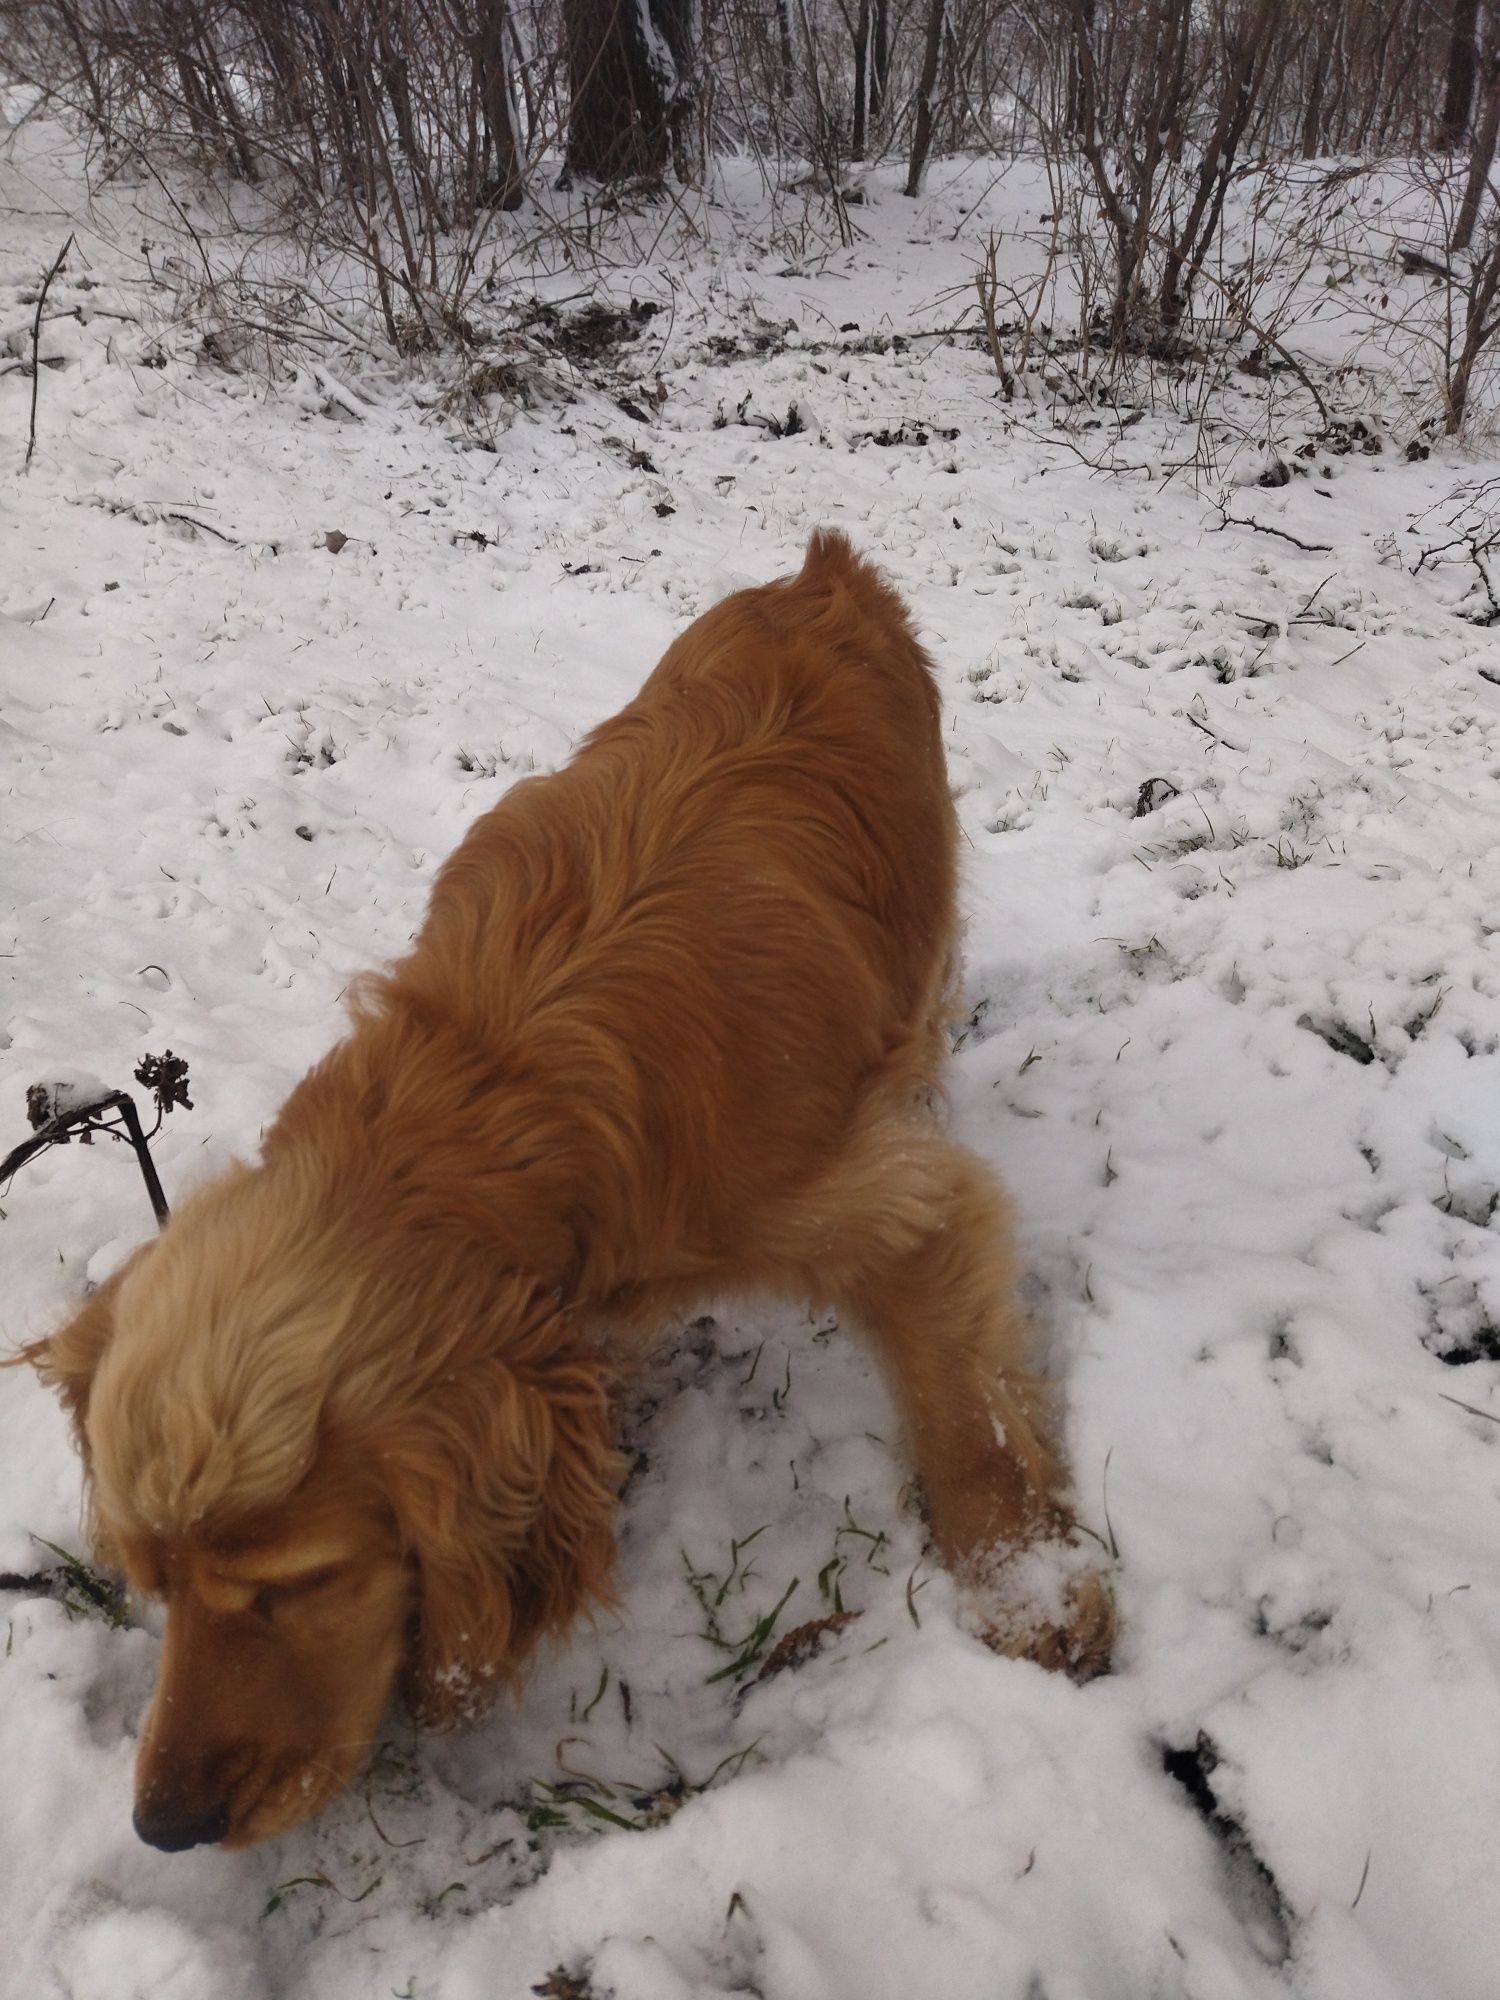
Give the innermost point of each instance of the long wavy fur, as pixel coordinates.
(672, 1025)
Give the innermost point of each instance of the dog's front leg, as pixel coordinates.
(946, 1323)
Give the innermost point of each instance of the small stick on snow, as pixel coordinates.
(1242, 749)
(36, 336)
(1472, 1408)
(1229, 520)
(207, 527)
(1365, 1876)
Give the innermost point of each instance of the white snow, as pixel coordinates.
(1238, 1059)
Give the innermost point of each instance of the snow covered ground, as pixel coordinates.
(1237, 1054)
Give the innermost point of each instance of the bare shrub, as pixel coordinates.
(389, 130)
(388, 135)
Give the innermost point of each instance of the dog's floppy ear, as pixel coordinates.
(68, 1360)
(504, 1483)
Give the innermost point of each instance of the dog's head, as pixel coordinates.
(342, 1461)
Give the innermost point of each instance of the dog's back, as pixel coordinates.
(720, 925)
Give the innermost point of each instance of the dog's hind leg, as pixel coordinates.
(928, 1270)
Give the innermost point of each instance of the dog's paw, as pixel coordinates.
(1044, 1603)
(1080, 1641)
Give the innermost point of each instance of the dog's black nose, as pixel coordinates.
(174, 1832)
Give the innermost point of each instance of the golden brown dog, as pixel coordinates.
(672, 1028)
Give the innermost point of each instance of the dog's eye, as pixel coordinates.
(266, 1599)
(314, 1580)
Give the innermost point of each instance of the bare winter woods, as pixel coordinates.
(401, 128)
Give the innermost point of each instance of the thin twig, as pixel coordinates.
(1260, 527)
(1240, 749)
(36, 336)
(189, 521)
(1472, 1408)
(1364, 1877)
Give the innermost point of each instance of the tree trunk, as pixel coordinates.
(1458, 102)
(504, 187)
(1082, 25)
(1481, 323)
(784, 44)
(623, 85)
(1480, 160)
(880, 57)
(861, 65)
(677, 23)
(394, 77)
(282, 61)
(328, 39)
(192, 94)
(1312, 110)
(922, 132)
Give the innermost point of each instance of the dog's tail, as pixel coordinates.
(830, 554)
(851, 584)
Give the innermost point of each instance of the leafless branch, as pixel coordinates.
(36, 338)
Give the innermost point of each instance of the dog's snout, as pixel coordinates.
(172, 1832)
